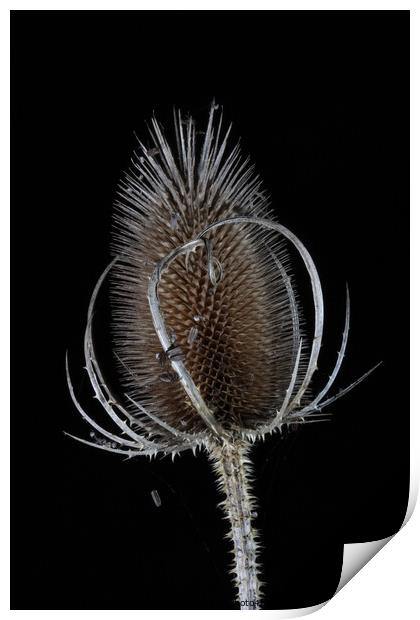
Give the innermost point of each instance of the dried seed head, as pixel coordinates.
(241, 351)
(206, 324)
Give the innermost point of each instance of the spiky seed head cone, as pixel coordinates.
(206, 323)
(237, 336)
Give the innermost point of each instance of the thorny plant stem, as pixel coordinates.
(234, 475)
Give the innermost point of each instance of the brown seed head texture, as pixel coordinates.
(236, 336)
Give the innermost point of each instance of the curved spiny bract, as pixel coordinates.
(206, 324)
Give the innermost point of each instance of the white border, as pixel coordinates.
(211, 5)
(4, 306)
(388, 585)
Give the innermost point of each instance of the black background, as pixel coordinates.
(320, 101)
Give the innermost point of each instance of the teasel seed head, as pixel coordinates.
(228, 314)
(206, 325)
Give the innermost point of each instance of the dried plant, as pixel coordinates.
(207, 329)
